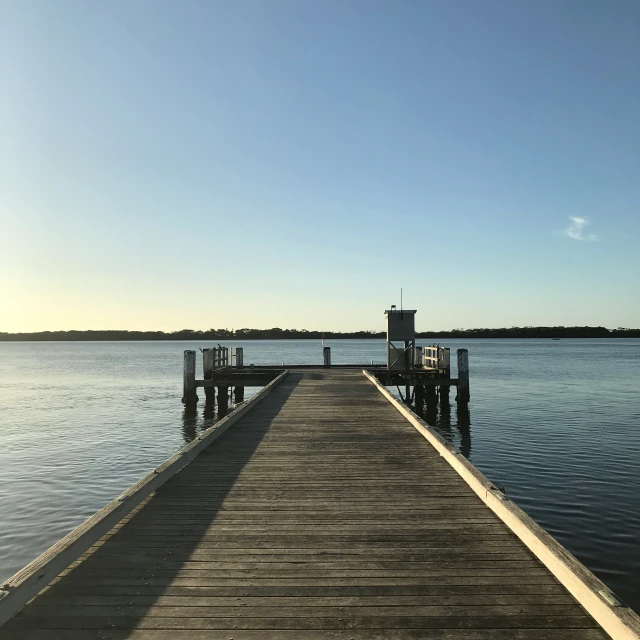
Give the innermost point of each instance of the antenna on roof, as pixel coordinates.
(400, 298)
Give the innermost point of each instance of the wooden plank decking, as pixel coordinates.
(322, 513)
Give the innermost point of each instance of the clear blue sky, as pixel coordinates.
(294, 163)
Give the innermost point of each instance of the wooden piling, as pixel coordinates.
(431, 405)
(419, 399)
(463, 376)
(223, 401)
(444, 366)
(207, 368)
(327, 356)
(431, 396)
(189, 395)
(238, 392)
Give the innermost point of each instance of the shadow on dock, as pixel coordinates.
(141, 558)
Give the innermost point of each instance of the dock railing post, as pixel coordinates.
(207, 369)
(463, 376)
(239, 357)
(189, 395)
(327, 356)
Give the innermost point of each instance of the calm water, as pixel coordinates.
(556, 423)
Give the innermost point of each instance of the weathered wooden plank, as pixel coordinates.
(310, 573)
(286, 563)
(309, 634)
(441, 600)
(120, 621)
(65, 589)
(446, 580)
(300, 611)
(387, 553)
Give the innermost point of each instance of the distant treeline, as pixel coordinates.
(280, 334)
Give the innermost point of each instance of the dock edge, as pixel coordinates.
(618, 620)
(18, 590)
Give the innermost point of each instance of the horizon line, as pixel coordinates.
(240, 332)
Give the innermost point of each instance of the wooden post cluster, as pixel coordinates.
(212, 359)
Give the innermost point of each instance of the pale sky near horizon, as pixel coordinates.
(169, 165)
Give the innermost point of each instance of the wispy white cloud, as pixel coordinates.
(575, 230)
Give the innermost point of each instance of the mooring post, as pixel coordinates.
(223, 401)
(444, 364)
(463, 376)
(238, 392)
(189, 395)
(327, 356)
(207, 369)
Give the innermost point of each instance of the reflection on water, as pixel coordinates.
(435, 410)
(200, 417)
(464, 429)
(189, 423)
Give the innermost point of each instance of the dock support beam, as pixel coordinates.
(327, 356)
(463, 376)
(189, 395)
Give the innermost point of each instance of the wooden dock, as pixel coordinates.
(322, 512)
